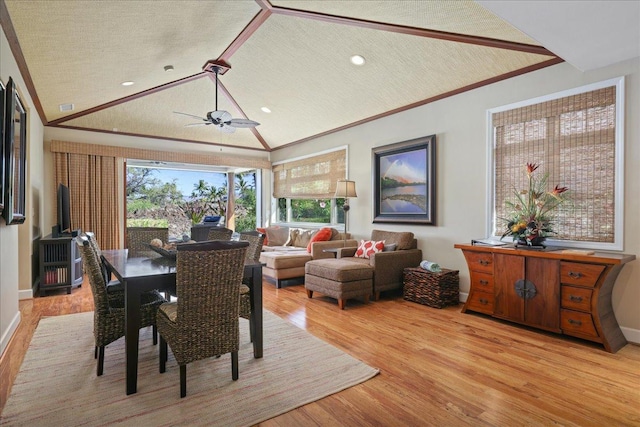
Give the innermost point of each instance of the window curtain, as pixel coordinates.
(573, 140)
(93, 189)
(310, 178)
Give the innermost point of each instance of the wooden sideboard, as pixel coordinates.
(555, 290)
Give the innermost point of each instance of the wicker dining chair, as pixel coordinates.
(219, 233)
(138, 239)
(113, 285)
(203, 322)
(256, 241)
(109, 310)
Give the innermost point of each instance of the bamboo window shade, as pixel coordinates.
(310, 178)
(573, 140)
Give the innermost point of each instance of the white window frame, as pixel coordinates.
(618, 242)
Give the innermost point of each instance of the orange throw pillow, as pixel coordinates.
(263, 231)
(322, 235)
(368, 248)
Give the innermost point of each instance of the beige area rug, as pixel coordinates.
(57, 383)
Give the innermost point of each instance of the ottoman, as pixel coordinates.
(280, 266)
(338, 279)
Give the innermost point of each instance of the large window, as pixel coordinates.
(304, 188)
(577, 139)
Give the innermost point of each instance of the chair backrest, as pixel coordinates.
(256, 240)
(138, 239)
(208, 278)
(94, 243)
(93, 269)
(219, 233)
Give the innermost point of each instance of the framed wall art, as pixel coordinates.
(404, 182)
(15, 156)
(2, 125)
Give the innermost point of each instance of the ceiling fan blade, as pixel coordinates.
(219, 116)
(191, 115)
(242, 123)
(190, 125)
(226, 128)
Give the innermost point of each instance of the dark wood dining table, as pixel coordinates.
(139, 275)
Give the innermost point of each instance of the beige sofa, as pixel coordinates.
(285, 254)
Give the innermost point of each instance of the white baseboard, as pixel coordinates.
(4, 341)
(632, 335)
(25, 294)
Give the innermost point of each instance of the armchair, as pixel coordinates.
(388, 266)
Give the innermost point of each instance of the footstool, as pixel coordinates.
(280, 266)
(338, 279)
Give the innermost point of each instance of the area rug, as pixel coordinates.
(57, 383)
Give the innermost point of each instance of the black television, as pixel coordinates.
(63, 228)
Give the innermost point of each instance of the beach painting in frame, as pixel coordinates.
(404, 182)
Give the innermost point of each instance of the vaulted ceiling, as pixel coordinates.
(290, 56)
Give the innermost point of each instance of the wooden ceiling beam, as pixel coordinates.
(413, 31)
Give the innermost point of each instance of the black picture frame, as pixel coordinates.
(404, 182)
(2, 126)
(15, 156)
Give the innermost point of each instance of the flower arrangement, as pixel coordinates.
(531, 213)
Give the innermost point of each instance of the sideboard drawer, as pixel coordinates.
(481, 302)
(479, 261)
(577, 323)
(573, 273)
(482, 281)
(576, 298)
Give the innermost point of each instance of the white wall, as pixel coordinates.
(459, 123)
(18, 242)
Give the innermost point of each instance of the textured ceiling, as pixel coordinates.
(289, 56)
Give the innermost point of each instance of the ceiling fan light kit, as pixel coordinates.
(223, 120)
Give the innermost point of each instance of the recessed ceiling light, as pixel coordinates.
(265, 109)
(168, 68)
(129, 83)
(66, 107)
(357, 60)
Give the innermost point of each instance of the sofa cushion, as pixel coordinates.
(277, 236)
(323, 235)
(404, 239)
(368, 248)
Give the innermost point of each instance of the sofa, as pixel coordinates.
(387, 260)
(287, 250)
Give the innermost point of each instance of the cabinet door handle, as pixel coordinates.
(575, 275)
(575, 322)
(483, 301)
(484, 282)
(484, 262)
(575, 298)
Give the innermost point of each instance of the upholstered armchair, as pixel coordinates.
(388, 266)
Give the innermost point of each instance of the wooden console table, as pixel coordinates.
(554, 290)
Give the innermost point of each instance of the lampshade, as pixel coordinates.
(345, 189)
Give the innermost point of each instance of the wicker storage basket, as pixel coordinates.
(433, 289)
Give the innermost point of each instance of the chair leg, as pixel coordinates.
(163, 355)
(154, 328)
(251, 326)
(183, 380)
(100, 360)
(234, 365)
(95, 352)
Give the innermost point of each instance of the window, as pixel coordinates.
(303, 188)
(577, 138)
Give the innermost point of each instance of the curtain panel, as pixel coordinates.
(93, 189)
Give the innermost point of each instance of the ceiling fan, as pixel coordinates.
(219, 118)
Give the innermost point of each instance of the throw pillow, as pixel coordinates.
(277, 235)
(390, 247)
(263, 231)
(368, 248)
(322, 235)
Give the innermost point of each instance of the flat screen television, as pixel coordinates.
(64, 210)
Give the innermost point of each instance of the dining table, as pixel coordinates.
(143, 274)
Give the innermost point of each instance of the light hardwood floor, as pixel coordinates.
(437, 367)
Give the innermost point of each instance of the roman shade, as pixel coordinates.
(312, 177)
